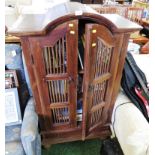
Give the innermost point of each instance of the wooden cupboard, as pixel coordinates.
(74, 58)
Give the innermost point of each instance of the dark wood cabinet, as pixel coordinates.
(74, 56)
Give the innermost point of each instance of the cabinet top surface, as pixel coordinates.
(37, 24)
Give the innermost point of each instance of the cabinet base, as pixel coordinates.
(49, 138)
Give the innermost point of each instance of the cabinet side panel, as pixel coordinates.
(119, 74)
(28, 60)
(113, 70)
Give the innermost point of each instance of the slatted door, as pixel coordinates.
(55, 61)
(101, 61)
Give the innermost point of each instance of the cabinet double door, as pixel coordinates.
(55, 57)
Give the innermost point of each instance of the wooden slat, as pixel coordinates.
(63, 54)
(56, 60)
(59, 105)
(46, 59)
(53, 93)
(50, 60)
(101, 78)
(98, 106)
(53, 56)
(95, 126)
(50, 92)
(60, 59)
(56, 76)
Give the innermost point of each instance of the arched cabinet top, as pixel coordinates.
(40, 24)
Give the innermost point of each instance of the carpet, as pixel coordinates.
(88, 147)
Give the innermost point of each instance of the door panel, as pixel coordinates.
(57, 78)
(100, 55)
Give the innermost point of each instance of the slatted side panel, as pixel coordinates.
(99, 92)
(59, 101)
(103, 55)
(102, 67)
(55, 57)
(60, 115)
(96, 116)
(58, 91)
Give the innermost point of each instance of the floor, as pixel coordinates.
(89, 147)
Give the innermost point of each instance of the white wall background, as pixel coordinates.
(26, 7)
(31, 2)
